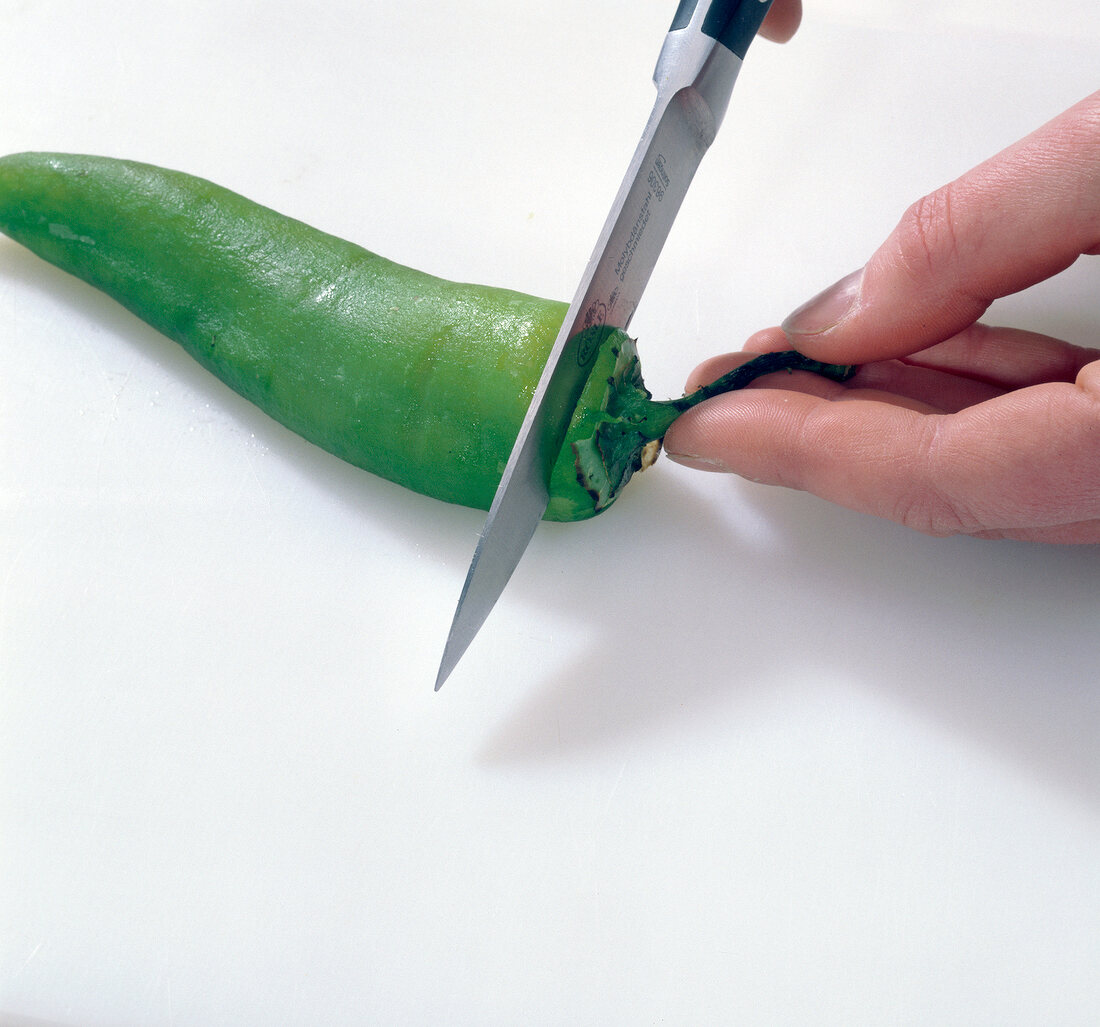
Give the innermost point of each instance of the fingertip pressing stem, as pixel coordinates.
(652, 418)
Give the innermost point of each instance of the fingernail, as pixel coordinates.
(700, 463)
(827, 309)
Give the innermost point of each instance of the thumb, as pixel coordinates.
(1019, 218)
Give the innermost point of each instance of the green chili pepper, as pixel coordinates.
(420, 380)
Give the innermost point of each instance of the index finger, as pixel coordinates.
(1013, 221)
(1025, 463)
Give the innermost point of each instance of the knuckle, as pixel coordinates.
(926, 238)
(924, 503)
(938, 245)
(932, 514)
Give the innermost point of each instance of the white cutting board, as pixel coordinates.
(725, 755)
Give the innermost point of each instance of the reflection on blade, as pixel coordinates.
(516, 511)
(695, 81)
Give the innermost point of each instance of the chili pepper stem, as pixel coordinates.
(652, 418)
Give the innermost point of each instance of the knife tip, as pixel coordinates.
(447, 664)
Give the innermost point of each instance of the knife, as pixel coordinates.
(696, 69)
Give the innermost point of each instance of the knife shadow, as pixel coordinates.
(989, 640)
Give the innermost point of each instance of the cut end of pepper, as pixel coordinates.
(615, 448)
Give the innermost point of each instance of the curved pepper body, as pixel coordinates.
(417, 379)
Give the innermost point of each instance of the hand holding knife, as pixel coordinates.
(695, 74)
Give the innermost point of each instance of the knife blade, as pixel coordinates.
(695, 73)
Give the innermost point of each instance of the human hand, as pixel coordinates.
(781, 22)
(950, 426)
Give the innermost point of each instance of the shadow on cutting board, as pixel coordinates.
(993, 640)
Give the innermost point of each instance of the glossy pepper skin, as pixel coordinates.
(420, 380)
(417, 379)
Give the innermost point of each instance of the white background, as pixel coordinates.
(725, 755)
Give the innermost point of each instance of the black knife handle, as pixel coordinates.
(734, 23)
